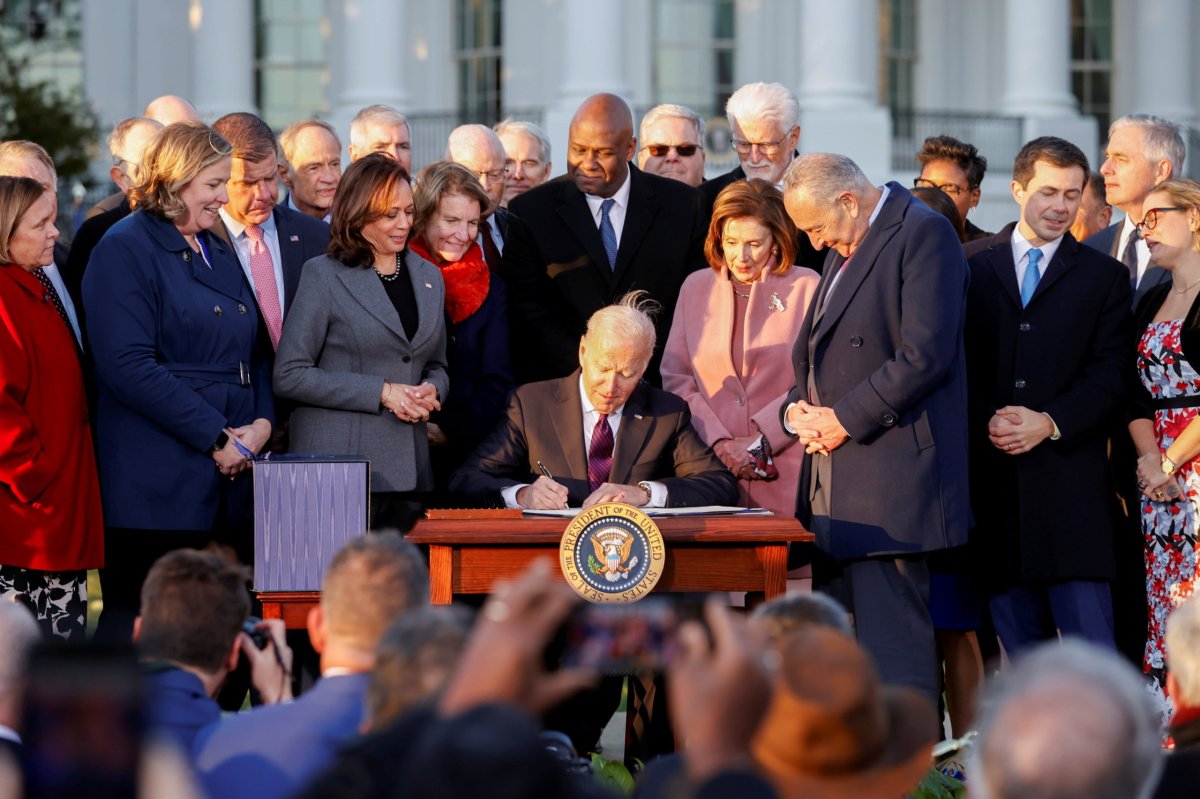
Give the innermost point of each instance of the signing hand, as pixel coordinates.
(1015, 429)
(543, 494)
(616, 492)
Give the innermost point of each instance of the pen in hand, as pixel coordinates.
(546, 473)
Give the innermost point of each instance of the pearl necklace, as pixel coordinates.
(394, 275)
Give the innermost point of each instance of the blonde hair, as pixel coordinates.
(1185, 193)
(178, 153)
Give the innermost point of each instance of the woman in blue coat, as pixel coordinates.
(184, 390)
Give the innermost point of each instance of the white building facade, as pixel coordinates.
(874, 77)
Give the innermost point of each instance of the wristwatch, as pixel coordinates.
(646, 487)
(221, 442)
(1168, 466)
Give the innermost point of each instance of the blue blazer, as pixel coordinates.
(886, 353)
(176, 704)
(271, 752)
(178, 359)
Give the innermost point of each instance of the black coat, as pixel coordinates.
(557, 273)
(1045, 515)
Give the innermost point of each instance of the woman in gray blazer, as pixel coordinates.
(363, 349)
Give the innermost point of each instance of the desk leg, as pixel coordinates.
(271, 610)
(441, 574)
(774, 564)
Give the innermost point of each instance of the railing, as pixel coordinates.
(998, 138)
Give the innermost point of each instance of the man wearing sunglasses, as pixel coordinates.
(764, 122)
(670, 139)
(1142, 151)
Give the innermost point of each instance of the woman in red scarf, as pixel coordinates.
(450, 203)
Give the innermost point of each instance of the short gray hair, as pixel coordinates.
(511, 125)
(116, 139)
(287, 139)
(1164, 139)
(373, 113)
(770, 101)
(1036, 706)
(823, 176)
(1183, 651)
(15, 150)
(671, 111)
(627, 321)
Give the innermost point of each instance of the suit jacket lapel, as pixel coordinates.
(291, 252)
(364, 286)
(430, 310)
(999, 258)
(863, 259)
(226, 275)
(638, 218)
(1063, 261)
(567, 418)
(631, 437)
(573, 208)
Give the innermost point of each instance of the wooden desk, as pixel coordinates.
(704, 553)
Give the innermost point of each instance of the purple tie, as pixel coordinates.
(600, 453)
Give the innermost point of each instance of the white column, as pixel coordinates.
(1163, 36)
(839, 104)
(594, 61)
(1038, 69)
(222, 56)
(1037, 74)
(372, 54)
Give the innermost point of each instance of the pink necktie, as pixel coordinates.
(262, 269)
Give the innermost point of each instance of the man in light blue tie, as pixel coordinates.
(1048, 347)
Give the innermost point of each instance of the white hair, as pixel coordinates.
(770, 101)
(511, 125)
(627, 321)
(120, 133)
(472, 139)
(823, 176)
(383, 114)
(1164, 139)
(1035, 740)
(671, 111)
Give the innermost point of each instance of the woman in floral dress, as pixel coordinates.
(1165, 428)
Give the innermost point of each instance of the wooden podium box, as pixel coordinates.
(725, 552)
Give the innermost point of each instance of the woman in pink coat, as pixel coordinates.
(730, 347)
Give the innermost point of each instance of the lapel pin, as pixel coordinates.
(428, 285)
(637, 416)
(776, 303)
(293, 238)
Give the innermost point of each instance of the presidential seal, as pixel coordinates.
(612, 553)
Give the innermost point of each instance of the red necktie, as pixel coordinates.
(600, 453)
(262, 269)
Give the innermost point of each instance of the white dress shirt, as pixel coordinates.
(658, 491)
(328, 218)
(242, 245)
(1020, 251)
(1141, 248)
(616, 214)
(56, 280)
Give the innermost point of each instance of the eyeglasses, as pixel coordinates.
(1150, 220)
(495, 174)
(952, 189)
(768, 148)
(684, 150)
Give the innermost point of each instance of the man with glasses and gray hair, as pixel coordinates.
(1142, 152)
(764, 120)
(670, 137)
(527, 156)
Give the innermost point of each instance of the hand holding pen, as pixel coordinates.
(544, 493)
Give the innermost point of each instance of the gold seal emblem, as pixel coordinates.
(612, 553)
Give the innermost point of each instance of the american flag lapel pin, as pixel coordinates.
(293, 238)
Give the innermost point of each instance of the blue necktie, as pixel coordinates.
(1032, 276)
(608, 236)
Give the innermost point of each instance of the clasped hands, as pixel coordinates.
(1015, 429)
(817, 428)
(1154, 483)
(733, 453)
(545, 494)
(410, 403)
(230, 460)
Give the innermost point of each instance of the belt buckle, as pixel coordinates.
(244, 374)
